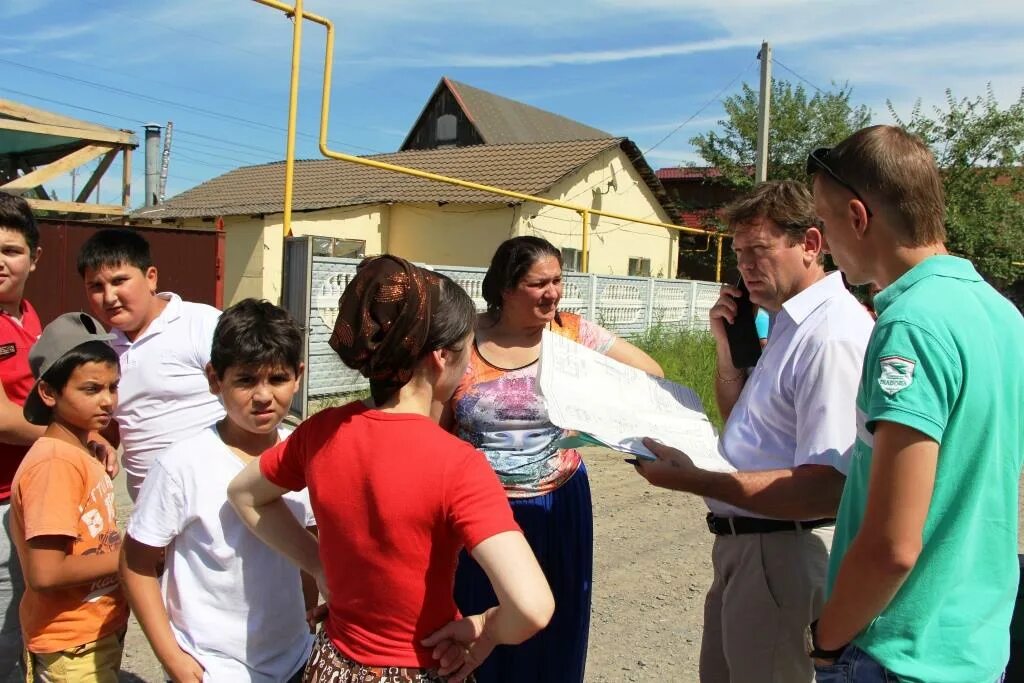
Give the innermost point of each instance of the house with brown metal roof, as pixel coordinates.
(464, 132)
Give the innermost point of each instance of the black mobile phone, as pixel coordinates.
(744, 344)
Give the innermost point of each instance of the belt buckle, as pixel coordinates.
(712, 518)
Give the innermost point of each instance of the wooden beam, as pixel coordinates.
(89, 134)
(94, 179)
(20, 164)
(62, 165)
(75, 207)
(126, 179)
(33, 115)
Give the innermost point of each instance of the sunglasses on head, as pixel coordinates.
(817, 161)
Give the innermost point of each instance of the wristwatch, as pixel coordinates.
(814, 650)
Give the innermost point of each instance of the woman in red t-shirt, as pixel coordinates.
(396, 497)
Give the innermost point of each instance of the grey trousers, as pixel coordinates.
(767, 588)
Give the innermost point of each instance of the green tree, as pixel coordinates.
(798, 124)
(980, 149)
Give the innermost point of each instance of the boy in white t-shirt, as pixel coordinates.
(163, 344)
(230, 608)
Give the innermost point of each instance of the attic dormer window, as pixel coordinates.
(447, 129)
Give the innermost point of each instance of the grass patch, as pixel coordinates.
(687, 358)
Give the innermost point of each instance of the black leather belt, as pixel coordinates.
(733, 526)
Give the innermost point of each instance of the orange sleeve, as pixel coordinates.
(51, 497)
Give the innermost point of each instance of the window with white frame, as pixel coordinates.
(640, 266)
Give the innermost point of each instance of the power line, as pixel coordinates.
(776, 61)
(205, 39)
(168, 103)
(149, 79)
(712, 100)
(702, 108)
(140, 122)
(204, 162)
(200, 150)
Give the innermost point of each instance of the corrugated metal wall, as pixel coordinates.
(189, 263)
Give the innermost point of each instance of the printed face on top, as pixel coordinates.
(773, 267)
(255, 398)
(534, 299)
(87, 402)
(122, 296)
(16, 262)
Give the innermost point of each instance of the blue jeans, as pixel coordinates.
(857, 666)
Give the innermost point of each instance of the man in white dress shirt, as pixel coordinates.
(789, 427)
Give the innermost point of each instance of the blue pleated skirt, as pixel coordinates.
(559, 526)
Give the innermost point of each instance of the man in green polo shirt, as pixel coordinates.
(924, 573)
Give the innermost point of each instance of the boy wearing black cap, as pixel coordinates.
(63, 520)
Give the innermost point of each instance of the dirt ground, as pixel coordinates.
(651, 568)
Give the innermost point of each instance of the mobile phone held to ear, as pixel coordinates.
(744, 345)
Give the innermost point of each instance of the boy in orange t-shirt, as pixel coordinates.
(63, 521)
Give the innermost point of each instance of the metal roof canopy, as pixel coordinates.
(36, 146)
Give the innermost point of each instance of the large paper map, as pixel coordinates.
(616, 405)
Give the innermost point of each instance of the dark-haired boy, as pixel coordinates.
(63, 519)
(163, 343)
(230, 606)
(19, 329)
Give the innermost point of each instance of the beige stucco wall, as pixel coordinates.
(612, 242)
(367, 223)
(243, 258)
(254, 245)
(451, 235)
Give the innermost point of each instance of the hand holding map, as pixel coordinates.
(612, 404)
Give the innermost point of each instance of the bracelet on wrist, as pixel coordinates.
(732, 380)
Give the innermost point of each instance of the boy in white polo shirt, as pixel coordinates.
(164, 346)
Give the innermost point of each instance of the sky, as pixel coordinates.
(655, 71)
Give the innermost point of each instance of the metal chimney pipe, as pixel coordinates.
(152, 163)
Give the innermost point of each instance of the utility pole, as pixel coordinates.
(764, 113)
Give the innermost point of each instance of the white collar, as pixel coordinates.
(800, 306)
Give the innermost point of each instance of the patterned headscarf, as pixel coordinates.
(383, 321)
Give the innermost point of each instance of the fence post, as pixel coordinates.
(592, 298)
(650, 302)
(693, 304)
(296, 298)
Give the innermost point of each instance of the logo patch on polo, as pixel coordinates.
(897, 374)
(7, 350)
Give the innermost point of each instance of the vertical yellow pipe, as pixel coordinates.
(293, 105)
(325, 102)
(718, 261)
(585, 260)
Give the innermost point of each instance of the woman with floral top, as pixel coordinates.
(497, 409)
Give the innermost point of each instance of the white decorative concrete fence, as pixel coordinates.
(625, 305)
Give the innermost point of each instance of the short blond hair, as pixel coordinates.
(896, 169)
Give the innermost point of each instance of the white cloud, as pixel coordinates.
(56, 32)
